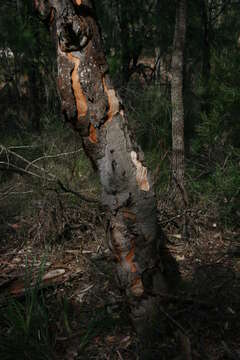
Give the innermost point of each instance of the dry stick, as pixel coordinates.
(186, 300)
(53, 156)
(82, 197)
(231, 354)
(7, 191)
(7, 152)
(175, 217)
(30, 163)
(185, 342)
(12, 167)
(24, 147)
(15, 193)
(119, 355)
(171, 219)
(175, 322)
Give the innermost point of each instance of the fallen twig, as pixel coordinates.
(32, 163)
(82, 197)
(230, 353)
(175, 322)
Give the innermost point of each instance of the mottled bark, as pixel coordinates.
(177, 104)
(91, 104)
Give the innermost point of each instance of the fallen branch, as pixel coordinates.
(79, 195)
(230, 353)
(175, 322)
(7, 166)
(52, 157)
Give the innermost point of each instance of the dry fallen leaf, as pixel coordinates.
(126, 341)
(53, 273)
(111, 339)
(180, 257)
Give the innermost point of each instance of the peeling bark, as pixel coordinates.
(93, 107)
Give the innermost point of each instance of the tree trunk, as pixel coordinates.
(93, 107)
(177, 105)
(206, 65)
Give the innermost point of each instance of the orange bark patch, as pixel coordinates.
(141, 173)
(78, 2)
(137, 287)
(51, 16)
(112, 101)
(129, 260)
(129, 215)
(115, 235)
(92, 134)
(80, 99)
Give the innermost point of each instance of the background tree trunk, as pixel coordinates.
(177, 105)
(91, 104)
(206, 64)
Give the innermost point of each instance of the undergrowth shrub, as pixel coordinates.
(213, 166)
(27, 324)
(149, 113)
(218, 187)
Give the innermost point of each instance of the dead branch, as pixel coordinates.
(53, 156)
(79, 195)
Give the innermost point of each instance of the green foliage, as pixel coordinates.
(226, 180)
(26, 66)
(218, 188)
(27, 333)
(150, 116)
(22, 32)
(215, 141)
(102, 322)
(158, 162)
(114, 63)
(132, 29)
(221, 124)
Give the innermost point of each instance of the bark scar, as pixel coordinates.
(93, 134)
(141, 173)
(52, 16)
(137, 287)
(112, 101)
(129, 215)
(80, 98)
(129, 260)
(81, 102)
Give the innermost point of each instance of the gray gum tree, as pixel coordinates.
(95, 110)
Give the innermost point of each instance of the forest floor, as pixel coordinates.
(87, 315)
